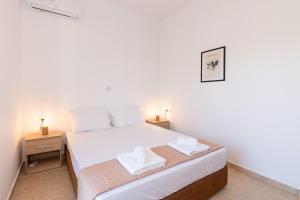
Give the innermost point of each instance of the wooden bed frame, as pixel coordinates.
(202, 189)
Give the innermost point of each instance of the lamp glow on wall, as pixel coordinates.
(151, 111)
(157, 112)
(44, 126)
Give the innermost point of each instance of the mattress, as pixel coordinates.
(91, 148)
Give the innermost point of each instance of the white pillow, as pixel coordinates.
(85, 120)
(126, 116)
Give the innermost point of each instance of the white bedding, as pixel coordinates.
(94, 147)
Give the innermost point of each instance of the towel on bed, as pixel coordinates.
(141, 161)
(140, 155)
(188, 146)
(187, 141)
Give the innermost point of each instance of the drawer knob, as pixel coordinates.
(44, 146)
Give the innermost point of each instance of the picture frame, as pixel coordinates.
(213, 63)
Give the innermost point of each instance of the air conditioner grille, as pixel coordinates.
(52, 12)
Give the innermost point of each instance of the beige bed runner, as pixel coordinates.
(105, 176)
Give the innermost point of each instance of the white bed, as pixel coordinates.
(91, 148)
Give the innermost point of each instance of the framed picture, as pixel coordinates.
(213, 65)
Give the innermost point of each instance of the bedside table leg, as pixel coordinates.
(60, 157)
(26, 165)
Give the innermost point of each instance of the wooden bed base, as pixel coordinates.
(202, 189)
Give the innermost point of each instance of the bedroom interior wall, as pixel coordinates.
(10, 123)
(256, 112)
(108, 57)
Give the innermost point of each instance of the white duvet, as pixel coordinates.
(94, 147)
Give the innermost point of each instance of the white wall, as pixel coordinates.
(256, 112)
(68, 64)
(9, 101)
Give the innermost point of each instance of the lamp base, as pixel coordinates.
(157, 118)
(45, 131)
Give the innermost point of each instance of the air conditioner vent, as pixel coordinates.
(63, 8)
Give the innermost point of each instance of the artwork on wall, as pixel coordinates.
(213, 65)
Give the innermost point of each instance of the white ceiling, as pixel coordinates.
(154, 8)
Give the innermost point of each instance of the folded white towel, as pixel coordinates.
(187, 141)
(140, 155)
(152, 161)
(189, 150)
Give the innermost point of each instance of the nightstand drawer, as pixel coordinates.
(165, 125)
(43, 145)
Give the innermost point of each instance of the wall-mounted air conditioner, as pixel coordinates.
(64, 8)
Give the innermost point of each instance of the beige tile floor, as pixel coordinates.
(55, 185)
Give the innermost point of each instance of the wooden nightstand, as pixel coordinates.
(44, 151)
(161, 123)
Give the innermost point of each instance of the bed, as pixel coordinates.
(196, 179)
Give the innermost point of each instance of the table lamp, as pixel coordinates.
(44, 127)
